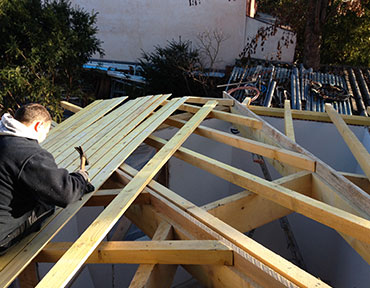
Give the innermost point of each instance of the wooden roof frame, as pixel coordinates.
(230, 259)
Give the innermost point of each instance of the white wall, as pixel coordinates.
(128, 27)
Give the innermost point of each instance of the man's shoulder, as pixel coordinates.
(19, 146)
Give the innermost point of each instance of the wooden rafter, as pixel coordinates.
(308, 115)
(288, 120)
(356, 147)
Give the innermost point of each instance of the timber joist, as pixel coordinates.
(208, 241)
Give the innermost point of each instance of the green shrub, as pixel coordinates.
(174, 69)
(42, 49)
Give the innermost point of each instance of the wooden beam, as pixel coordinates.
(289, 128)
(191, 252)
(73, 259)
(249, 256)
(308, 115)
(70, 107)
(203, 100)
(121, 230)
(359, 180)
(246, 210)
(151, 275)
(148, 219)
(333, 217)
(218, 276)
(30, 276)
(229, 117)
(291, 158)
(356, 147)
(104, 197)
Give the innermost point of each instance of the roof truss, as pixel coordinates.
(110, 132)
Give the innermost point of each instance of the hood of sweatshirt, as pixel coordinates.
(12, 127)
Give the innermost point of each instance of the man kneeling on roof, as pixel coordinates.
(31, 184)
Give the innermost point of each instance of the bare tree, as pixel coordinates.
(209, 43)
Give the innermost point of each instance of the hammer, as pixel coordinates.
(83, 157)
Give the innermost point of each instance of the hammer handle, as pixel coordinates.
(83, 163)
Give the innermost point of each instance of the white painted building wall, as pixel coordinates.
(129, 27)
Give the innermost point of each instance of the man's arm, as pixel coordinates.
(50, 184)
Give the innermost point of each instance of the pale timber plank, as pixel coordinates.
(80, 126)
(70, 106)
(191, 252)
(292, 158)
(150, 275)
(123, 149)
(73, 259)
(97, 130)
(229, 117)
(249, 256)
(29, 277)
(359, 180)
(308, 115)
(146, 217)
(245, 211)
(96, 148)
(203, 100)
(73, 119)
(356, 147)
(333, 217)
(289, 128)
(104, 197)
(112, 127)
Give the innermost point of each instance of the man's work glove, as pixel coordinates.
(89, 187)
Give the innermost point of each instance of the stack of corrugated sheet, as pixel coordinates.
(346, 88)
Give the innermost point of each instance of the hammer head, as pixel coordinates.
(82, 154)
